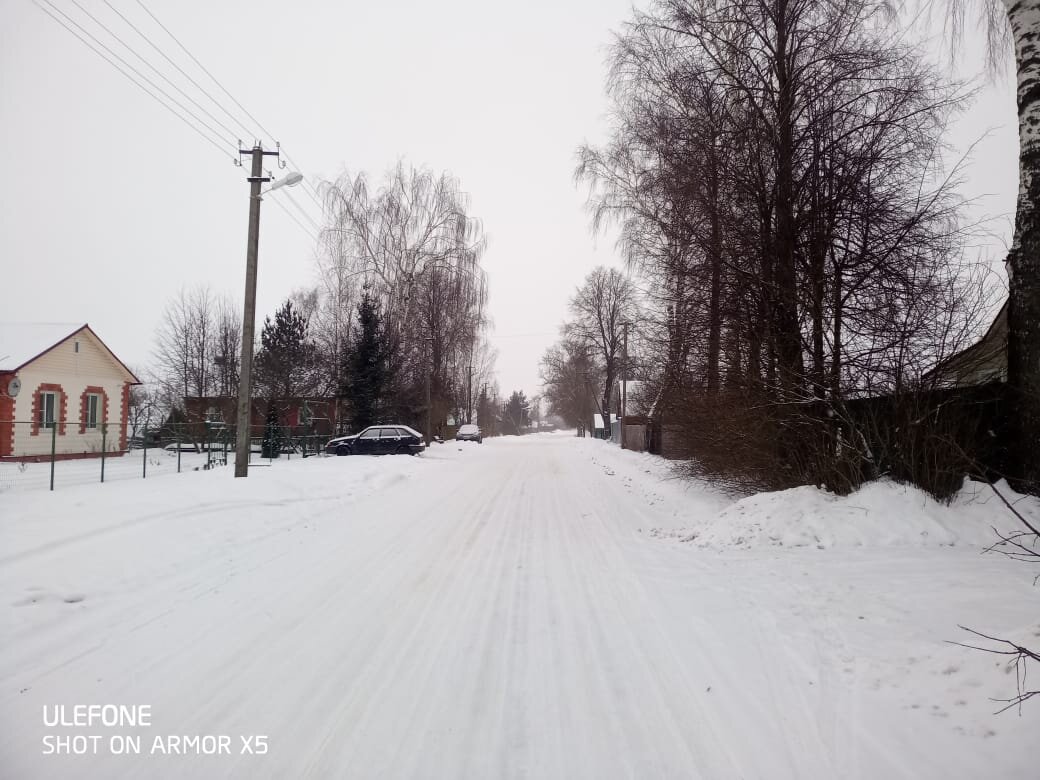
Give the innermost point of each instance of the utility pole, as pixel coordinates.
(624, 384)
(245, 381)
(429, 404)
(469, 394)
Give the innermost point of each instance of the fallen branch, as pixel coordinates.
(1019, 660)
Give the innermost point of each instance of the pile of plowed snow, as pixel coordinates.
(880, 513)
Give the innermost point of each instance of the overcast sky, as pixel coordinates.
(111, 205)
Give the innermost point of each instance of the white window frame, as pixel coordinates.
(92, 419)
(52, 421)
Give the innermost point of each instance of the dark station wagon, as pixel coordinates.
(379, 440)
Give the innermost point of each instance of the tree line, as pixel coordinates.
(777, 175)
(398, 314)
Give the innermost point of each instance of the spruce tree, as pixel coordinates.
(286, 360)
(367, 374)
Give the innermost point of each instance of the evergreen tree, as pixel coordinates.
(515, 417)
(286, 362)
(367, 375)
(271, 444)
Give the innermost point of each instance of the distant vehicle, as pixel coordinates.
(183, 446)
(379, 440)
(141, 439)
(469, 433)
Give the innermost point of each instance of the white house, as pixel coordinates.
(983, 362)
(60, 386)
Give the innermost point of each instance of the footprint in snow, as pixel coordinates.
(40, 596)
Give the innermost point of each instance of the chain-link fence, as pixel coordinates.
(52, 455)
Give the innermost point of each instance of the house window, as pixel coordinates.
(48, 404)
(93, 409)
(213, 415)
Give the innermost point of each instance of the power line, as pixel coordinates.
(247, 134)
(300, 208)
(295, 219)
(159, 73)
(136, 83)
(308, 187)
(144, 78)
(270, 135)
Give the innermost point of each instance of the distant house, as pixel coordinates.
(300, 415)
(982, 363)
(631, 397)
(60, 385)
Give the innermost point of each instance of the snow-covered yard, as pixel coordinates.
(541, 607)
(17, 477)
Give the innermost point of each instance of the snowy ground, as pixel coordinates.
(17, 477)
(543, 607)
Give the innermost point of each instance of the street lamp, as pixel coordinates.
(245, 382)
(289, 180)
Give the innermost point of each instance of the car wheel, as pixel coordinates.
(342, 450)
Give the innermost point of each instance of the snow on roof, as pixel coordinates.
(20, 342)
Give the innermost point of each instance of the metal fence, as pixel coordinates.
(48, 456)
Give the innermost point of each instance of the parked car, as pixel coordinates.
(379, 440)
(183, 446)
(469, 433)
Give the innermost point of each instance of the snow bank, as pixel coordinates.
(880, 513)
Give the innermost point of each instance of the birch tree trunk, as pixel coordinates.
(1023, 263)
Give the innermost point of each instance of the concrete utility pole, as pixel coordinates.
(624, 387)
(245, 381)
(429, 404)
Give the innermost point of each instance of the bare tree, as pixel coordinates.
(567, 370)
(1013, 26)
(599, 310)
(414, 244)
(226, 348)
(184, 341)
(776, 173)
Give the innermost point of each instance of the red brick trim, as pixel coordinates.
(6, 425)
(59, 456)
(124, 415)
(92, 390)
(63, 399)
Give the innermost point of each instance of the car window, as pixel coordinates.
(412, 431)
(391, 433)
(371, 433)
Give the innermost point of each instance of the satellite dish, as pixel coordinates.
(14, 386)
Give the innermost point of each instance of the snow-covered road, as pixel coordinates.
(511, 609)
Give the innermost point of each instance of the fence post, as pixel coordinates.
(179, 436)
(54, 444)
(104, 432)
(144, 458)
